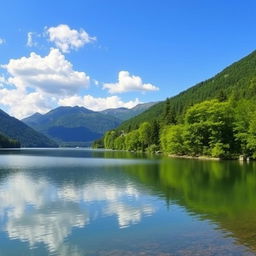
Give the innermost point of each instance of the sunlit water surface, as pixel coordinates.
(84, 202)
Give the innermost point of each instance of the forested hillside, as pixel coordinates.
(15, 129)
(215, 118)
(6, 142)
(237, 79)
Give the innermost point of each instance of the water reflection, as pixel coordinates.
(33, 212)
(74, 201)
(114, 198)
(222, 192)
(36, 209)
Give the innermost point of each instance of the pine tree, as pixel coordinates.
(155, 133)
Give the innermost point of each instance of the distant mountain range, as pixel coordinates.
(11, 127)
(78, 126)
(125, 113)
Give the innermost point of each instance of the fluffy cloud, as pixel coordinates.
(38, 82)
(66, 38)
(22, 104)
(97, 104)
(30, 42)
(2, 41)
(52, 73)
(3, 81)
(127, 82)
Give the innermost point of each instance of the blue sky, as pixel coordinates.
(157, 48)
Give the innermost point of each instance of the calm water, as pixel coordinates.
(82, 202)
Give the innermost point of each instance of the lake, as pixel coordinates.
(92, 202)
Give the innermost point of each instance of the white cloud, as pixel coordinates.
(52, 73)
(39, 82)
(67, 39)
(30, 42)
(2, 41)
(127, 82)
(3, 81)
(96, 82)
(97, 104)
(22, 104)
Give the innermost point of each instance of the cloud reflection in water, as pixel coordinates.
(35, 210)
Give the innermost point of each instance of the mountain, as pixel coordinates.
(33, 118)
(215, 118)
(125, 113)
(235, 79)
(17, 130)
(74, 126)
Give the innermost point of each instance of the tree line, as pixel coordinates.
(223, 128)
(8, 143)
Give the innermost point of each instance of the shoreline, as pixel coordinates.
(195, 157)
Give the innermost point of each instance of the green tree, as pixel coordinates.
(222, 96)
(155, 133)
(252, 87)
(119, 142)
(169, 115)
(251, 139)
(172, 139)
(109, 139)
(243, 113)
(145, 132)
(132, 142)
(208, 124)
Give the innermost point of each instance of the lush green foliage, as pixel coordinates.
(98, 143)
(6, 142)
(207, 130)
(146, 137)
(172, 139)
(215, 118)
(211, 128)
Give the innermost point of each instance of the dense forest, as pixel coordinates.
(216, 118)
(6, 142)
